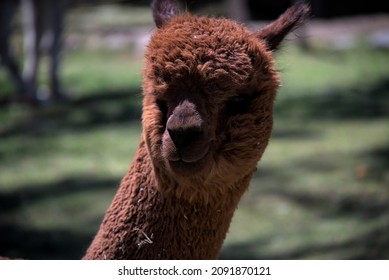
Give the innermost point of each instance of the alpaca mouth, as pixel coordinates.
(188, 168)
(183, 162)
(181, 158)
(188, 155)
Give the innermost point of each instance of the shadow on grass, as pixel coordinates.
(371, 245)
(26, 243)
(356, 102)
(377, 161)
(19, 241)
(93, 110)
(30, 194)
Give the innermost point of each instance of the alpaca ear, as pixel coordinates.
(163, 11)
(275, 32)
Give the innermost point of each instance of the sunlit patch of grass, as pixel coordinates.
(96, 71)
(321, 70)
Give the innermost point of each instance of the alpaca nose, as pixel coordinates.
(184, 137)
(185, 125)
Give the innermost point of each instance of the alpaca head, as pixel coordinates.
(209, 87)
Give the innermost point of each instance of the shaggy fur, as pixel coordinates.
(209, 87)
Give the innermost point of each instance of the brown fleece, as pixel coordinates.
(209, 87)
(142, 223)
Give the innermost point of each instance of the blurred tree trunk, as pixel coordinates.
(238, 10)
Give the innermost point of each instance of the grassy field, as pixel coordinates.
(321, 189)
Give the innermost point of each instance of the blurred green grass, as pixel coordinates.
(321, 189)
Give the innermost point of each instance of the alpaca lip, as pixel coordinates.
(184, 155)
(183, 160)
(181, 163)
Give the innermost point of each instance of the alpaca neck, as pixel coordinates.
(141, 223)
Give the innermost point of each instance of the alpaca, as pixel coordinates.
(208, 91)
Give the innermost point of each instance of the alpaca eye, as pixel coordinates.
(162, 106)
(238, 105)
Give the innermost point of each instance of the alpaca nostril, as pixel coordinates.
(183, 137)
